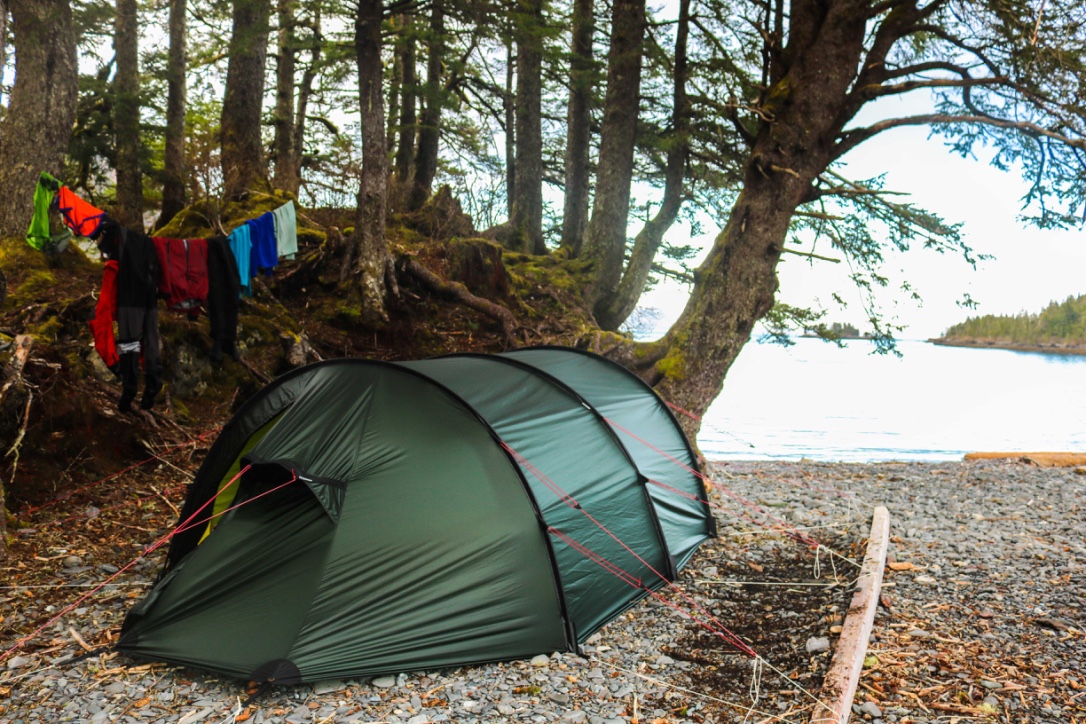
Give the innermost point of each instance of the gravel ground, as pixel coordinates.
(984, 608)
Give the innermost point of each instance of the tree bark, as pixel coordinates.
(430, 123)
(405, 51)
(3, 38)
(613, 309)
(242, 157)
(283, 145)
(527, 214)
(579, 129)
(372, 263)
(37, 127)
(605, 242)
(174, 166)
(126, 116)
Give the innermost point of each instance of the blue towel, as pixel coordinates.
(242, 247)
(262, 233)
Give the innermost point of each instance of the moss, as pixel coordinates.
(673, 366)
(36, 284)
(348, 312)
(48, 331)
(311, 238)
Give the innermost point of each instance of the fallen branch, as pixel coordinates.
(460, 293)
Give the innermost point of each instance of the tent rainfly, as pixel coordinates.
(450, 511)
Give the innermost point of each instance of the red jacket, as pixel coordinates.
(183, 278)
(105, 312)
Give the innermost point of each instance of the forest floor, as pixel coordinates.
(982, 618)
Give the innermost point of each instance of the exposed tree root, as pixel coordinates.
(460, 293)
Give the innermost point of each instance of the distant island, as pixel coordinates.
(1059, 329)
(837, 330)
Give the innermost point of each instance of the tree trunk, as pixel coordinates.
(242, 154)
(430, 125)
(285, 172)
(372, 262)
(305, 91)
(613, 309)
(37, 127)
(605, 242)
(579, 129)
(174, 166)
(126, 117)
(527, 215)
(510, 113)
(405, 151)
(737, 282)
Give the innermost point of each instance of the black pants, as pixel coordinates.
(137, 333)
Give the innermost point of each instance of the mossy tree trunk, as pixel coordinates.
(372, 263)
(37, 127)
(527, 213)
(242, 157)
(605, 241)
(809, 105)
(174, 171)
(126, 116)
(579, 130)
(614, 307)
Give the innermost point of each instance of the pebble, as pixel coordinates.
(817, 644)
(871, 709)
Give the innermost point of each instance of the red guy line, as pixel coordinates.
(572, 503)
(184, 526)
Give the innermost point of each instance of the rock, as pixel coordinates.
(540, 661)
(72, 562)
(924, 579)
(871, 709)
(328, 687)
(384, 682)
(817, 644)
(17, 661)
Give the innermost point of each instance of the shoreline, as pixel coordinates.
(1051, 348)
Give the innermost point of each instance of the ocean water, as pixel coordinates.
(815, 401)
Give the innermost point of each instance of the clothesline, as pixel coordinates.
(190, 274)
(257, 244)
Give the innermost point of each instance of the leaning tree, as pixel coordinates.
(1005, 73)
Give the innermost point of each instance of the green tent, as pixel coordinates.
(456, 510)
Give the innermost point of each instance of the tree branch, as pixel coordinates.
(851, 139)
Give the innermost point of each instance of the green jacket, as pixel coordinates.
(38, 235)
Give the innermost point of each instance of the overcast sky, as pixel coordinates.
(1030, 268)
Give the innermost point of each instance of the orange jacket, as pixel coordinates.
(81, 217)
